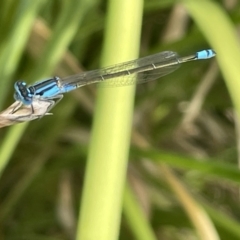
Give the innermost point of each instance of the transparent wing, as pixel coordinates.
(138, 78)
(133, 72)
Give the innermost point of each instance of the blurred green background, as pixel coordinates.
(183, 177)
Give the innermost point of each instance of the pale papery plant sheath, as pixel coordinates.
(17, 113)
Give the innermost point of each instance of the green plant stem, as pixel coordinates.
(101, 205)
(136, 219)
(10, 51)
(220, 31)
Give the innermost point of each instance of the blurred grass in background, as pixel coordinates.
(185, 120)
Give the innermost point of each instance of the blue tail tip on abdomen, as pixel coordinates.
(205, 54)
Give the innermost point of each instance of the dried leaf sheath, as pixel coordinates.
(18, 113)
